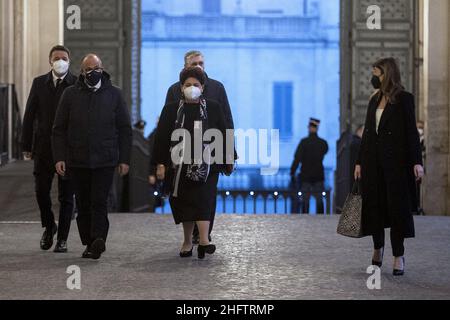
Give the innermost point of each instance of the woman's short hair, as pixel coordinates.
(192, 72)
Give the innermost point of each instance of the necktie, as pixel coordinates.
(58, 83)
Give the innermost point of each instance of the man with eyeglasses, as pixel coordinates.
(36, 144)
(91, 137)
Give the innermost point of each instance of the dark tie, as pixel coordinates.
(58, 83)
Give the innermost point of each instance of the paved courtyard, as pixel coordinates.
(258, 257)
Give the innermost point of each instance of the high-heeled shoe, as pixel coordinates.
(398, 272)
(379, 263)
(209, 249)
(186, 254)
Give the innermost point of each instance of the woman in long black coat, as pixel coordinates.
(192, 192)
(389, 163)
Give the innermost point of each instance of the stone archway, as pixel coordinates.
(111, 28)
(361, 47)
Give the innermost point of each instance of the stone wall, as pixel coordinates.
(436, 106)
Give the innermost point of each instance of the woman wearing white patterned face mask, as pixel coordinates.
(192, 183)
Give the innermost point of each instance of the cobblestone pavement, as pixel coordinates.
(258, 257)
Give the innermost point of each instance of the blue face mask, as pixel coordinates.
(93, 77)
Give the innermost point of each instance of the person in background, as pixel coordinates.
(310, 154)
(389, 164)
(156, 190)
(92, 136)
(41, 107)
(421, 129)
(140, 126)
(213, 90)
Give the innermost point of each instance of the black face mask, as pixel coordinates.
(93, 77)
(376, 82)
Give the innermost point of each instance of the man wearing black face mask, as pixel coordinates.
(92, 136)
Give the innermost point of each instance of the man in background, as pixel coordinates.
(310, 154)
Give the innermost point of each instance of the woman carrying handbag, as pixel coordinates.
(191, 181)
(389, 164)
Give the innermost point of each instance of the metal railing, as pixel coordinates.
(261, 202)
(272, 201)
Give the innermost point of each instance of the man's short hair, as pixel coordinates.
(189, 54)
(59, 48)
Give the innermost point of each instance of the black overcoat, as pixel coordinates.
(396, 150)
(40, 114)
(92, 129)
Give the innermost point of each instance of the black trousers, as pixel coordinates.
(397, 239)
(397, 242)
(92, 188)
(44, 172)
(314, 189)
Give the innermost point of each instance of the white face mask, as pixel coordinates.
(60, 67)
(192, 93)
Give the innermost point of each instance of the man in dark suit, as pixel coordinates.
(36, 143)
(310, 153)
(214, 90)
(91, 137)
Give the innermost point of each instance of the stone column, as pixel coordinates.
(436, 91)
(28, 30)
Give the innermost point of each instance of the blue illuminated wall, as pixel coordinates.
(278, 60)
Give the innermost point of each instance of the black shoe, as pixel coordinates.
(397, 272)
(379, 263)
(195, 240)
(61, 246)
(47, 237)
(209, 249)
(87, 253)
(186, 254)
(97, 248)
